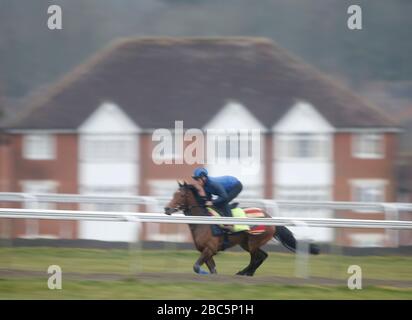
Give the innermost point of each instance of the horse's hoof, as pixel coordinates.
(201, 271)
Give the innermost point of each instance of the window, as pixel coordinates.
(303, 146)
(303, 193)
(38, 187)
(115, 191)
(251, 192)
(39, 147)
(108, 149)
(367, 239)
(368, 191)
(368, 146)
(236, 147)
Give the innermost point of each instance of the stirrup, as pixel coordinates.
(228, 229)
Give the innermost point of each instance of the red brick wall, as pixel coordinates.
(347, 167)
(62, 169)
(6, 163)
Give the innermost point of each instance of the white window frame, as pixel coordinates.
(359, 140)
(252, 191)
(88, 139)
(283, 141)
(228, 147)
(367, 239)
(302, 192)
(30, 186)
(108, 191)
(365, 183)
(33, 152)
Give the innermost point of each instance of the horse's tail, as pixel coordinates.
(286, 237)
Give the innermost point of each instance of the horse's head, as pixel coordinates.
(188, 196)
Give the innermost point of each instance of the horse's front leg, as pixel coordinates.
(211, 265)
(204, 256)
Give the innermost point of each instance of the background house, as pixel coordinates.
(91, 133)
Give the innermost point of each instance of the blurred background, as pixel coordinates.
(78, 107)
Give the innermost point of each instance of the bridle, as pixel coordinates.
(186, 208)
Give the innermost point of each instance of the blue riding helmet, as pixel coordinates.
(199, 172)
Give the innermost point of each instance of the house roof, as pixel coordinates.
(159, 80)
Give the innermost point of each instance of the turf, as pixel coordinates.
(125, 262)
(131, 289)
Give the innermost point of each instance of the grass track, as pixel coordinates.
(120, 262)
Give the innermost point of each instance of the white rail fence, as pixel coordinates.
(141, 200)
(391, 211)
(181, 219)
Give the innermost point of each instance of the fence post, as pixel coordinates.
(392, 213)
(336, 250)
(302, 253)
(135, 248)
(273, 207)
(32, 225)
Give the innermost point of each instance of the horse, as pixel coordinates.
(189, 199)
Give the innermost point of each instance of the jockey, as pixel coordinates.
(226, 188)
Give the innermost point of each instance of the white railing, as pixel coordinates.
(391, 211)
(181, 219)
(107, 199)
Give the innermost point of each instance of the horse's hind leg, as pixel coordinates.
(256, 259)
(257, 255)
(245, 247)
(245, 270)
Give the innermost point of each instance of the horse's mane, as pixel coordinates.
(200, 199)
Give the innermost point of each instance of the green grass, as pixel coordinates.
(123, 262)
(131, 289)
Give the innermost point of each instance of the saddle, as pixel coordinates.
(237, 212)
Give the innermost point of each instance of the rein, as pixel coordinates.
(187, 208)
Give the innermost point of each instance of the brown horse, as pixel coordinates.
(190, 199)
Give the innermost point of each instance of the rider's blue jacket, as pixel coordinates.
(219, 186)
